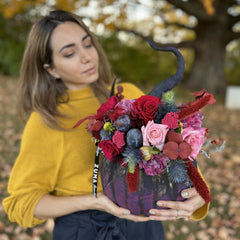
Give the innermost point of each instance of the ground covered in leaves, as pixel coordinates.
(222, 172)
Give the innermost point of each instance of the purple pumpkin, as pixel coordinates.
(149, 190)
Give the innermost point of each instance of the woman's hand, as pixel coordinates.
(178, 209)
(103, 203)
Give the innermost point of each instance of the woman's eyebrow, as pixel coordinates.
(72, 44)
(85, 37)
(66, 46)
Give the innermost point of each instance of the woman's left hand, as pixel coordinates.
(178, 209)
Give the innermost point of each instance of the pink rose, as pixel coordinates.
(154, 134)
(118, 139)
(195, 137)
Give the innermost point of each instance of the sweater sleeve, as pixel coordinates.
(35, 171)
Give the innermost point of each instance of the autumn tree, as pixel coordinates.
(213, 28)
(205, 26)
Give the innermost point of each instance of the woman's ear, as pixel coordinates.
(51, 70)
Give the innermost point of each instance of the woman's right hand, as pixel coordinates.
(103, 203)
(50, 206)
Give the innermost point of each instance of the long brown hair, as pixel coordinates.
(38, 90)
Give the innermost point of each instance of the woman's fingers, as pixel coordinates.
(188, 193)
(172, 210)
(135, 218)
(168, 214)
(178, 209)
(108, 206)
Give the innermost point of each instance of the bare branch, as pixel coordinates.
(183, 44)
(194, 8)
(138, 34)
(178, 25)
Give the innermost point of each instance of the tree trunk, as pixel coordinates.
(208, 66)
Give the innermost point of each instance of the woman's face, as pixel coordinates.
(75, 59)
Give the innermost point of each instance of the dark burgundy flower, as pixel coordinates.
(94, 125)
(174, 137)
(177, 151)
(96, 134)
(136, 122)
(119, 92)
(175, 147)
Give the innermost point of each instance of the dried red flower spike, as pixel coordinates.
(198, 182)
(201, 100)
(132, 179)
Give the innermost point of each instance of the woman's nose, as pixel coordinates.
(85, 57)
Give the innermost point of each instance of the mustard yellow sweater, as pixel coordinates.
(57, 162)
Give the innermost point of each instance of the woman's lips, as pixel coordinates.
(90, 70)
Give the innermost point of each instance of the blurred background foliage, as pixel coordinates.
(121, 26)
(137, 63)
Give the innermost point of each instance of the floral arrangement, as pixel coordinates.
(152, 135)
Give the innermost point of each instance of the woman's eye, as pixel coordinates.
(88, 45)
(69, 55)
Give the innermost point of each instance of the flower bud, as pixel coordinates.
(108, 127)
(146, 153)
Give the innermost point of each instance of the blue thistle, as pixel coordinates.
(131, 155)
(106, 135)
(177, 171)
(164, 109)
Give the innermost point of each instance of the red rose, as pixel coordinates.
(146, 107)
(106, 107)
(109, 149)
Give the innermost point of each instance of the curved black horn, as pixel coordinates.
(113, 87)
(171, 82)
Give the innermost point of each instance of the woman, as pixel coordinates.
(64, 77)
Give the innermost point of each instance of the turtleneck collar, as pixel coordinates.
(80, 94)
